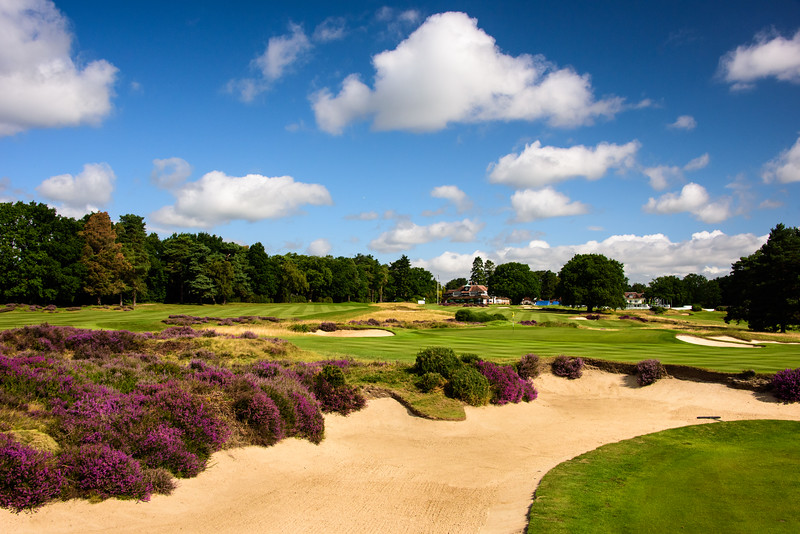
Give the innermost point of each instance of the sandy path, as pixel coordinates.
(381, 470)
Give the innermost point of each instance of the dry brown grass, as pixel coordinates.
(405, 311)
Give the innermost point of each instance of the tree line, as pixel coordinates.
(46, 258)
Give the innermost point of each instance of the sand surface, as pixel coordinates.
(382, 470)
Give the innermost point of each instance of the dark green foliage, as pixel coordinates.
(430, 381)
(469, 385)
(515, 281)
(592, 280)
(440, 360)
(658, 310)
(764, 288)
(467, 315)
(470, 358)
(333, 375)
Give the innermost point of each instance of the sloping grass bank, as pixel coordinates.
(723, 477)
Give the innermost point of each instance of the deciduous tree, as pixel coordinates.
(592, 280)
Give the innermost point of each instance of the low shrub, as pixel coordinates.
(102, 472)
(506, 384)
(786, 385)
(430, 381)
(528, 366)
(567, 367)
(469, 358)
(658, 310)
(469, 385)
(697, 308)
(440, 360)
(28, 477)
(469, 316)
(327, 327)
(527, 323)
(299, 327)
(649, 371)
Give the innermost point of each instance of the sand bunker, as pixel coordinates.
(372, 332)
(382, 470)
(716, 342)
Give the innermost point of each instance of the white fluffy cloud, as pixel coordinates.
(664, 175)
(319, 247)
(78, 195)
(280, 54)
(767, 57)
(218, 199)
(785, 168)
(648, 256)
(693, 199)
(449, 70)
(455, 195)
(406, 235)
(169, 173)
(645, 257)
(684, 122)
(532, 205)
(538, 165)
(40, 85)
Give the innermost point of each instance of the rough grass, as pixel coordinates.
(721, 477)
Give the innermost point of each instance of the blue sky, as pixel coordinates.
(665, 135)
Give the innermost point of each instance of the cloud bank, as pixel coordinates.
(217, 198)
(75, 196)
(40, 85)
(450, 71)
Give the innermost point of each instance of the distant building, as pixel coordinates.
(472, 294)
(634, 300)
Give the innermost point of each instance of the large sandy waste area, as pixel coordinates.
(382, 470)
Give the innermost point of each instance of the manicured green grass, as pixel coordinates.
(148, 317)
(506, 344)
(608, 338)
(721, 477)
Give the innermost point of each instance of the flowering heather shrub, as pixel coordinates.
(527, 323)
(100, 471)
(203, 431)
(179, 332)
(786, 385)
(633, 318)
(343, 399)
(440, 360)
(648, 371)
(592, 316)
(160, 480)
(528, 366)
(327, 326)
(258, 411)
(211, 374)
(248, 335)
(567, 367)
(309, 422)
(28, 478)
(34, 378)
(506, 384)
(163, 447)
(469, 385)
(185, 320)
(101, 343)
(41, 337)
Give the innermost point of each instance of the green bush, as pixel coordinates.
(466, 315)
(333, 375)
(299, 327)
(470, 358)
(658, 310)
(469, 385)
(430, 381)
(696, 308)
(440, 360)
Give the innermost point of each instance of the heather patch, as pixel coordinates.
(649, 371)
(786, 385)
(506, 385)
(126, 417)
(567, 367)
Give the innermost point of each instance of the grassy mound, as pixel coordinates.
(724, 477)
